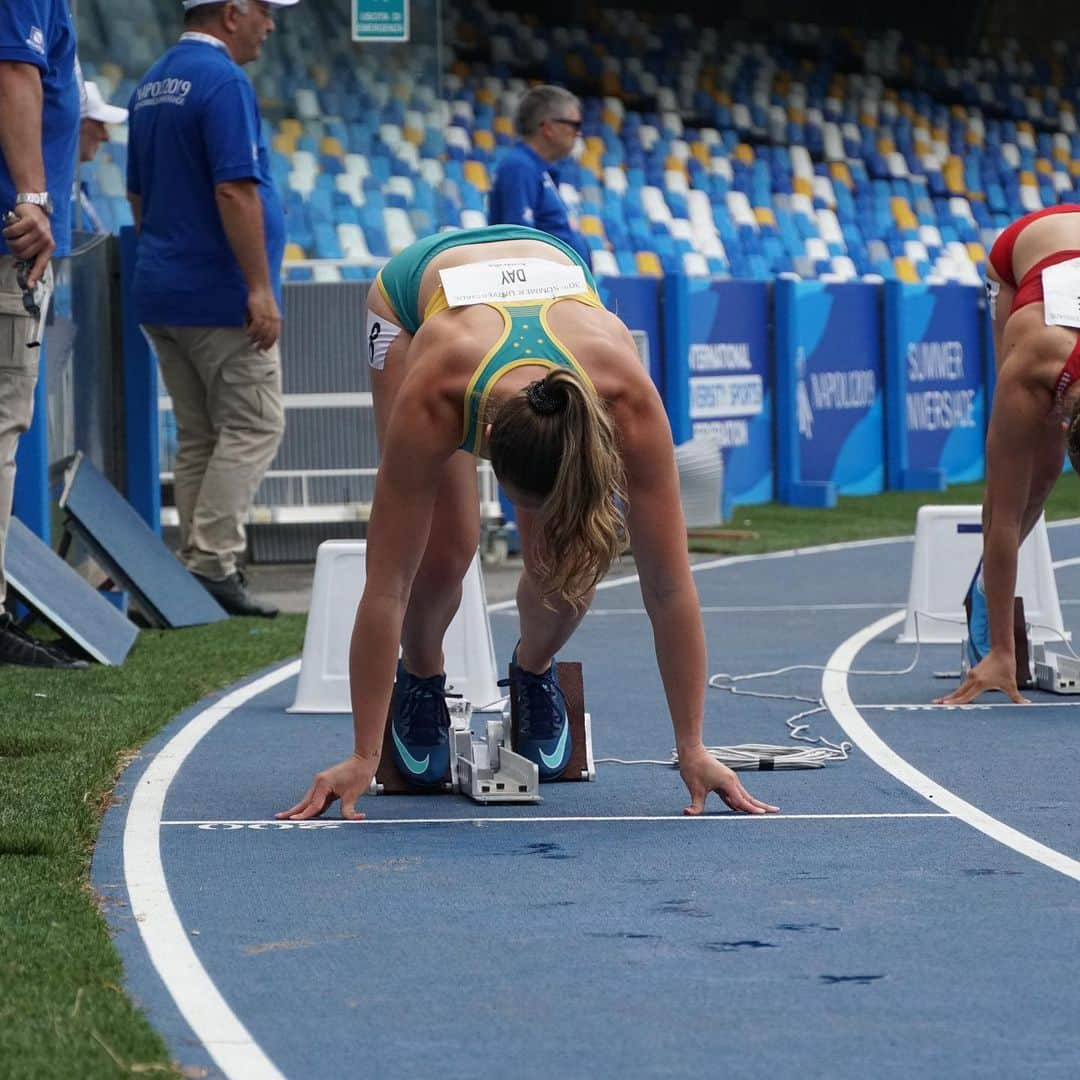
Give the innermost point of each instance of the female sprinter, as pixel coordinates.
(1033, 284)
(494, 342)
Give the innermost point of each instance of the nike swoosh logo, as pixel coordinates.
(418, 768)
(554, 760)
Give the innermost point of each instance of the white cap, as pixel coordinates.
(189, 4)
(95, 107)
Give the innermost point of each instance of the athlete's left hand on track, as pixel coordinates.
(346, 781)
(702, 773)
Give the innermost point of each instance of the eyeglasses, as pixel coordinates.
(575, 124)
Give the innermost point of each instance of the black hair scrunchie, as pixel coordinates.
(541, 399)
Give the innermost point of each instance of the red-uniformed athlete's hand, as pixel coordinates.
(702, 773)
(996, 671)
(264, 318)
(346, 781)
(30, 239)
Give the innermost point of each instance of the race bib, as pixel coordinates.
(992, 289)
(510, 280)
(1061, 294)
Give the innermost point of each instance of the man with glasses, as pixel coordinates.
(39, 131)
(207, 285)
(525, 190)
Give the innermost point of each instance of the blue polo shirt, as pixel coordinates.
(525, 193)
(194, 123)
(39, 32)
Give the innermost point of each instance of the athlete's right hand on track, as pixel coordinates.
(346, 781)
(702, 773)
(993, 672)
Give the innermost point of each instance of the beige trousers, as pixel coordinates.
(18, 376)
(226, 396)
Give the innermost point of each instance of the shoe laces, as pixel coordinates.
(423, 716)
(541, 704)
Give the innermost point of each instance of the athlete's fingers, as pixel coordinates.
(697, 801)
(348, 809)
(299, 806)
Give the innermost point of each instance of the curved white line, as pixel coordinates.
(215, 1025)
(834, 689)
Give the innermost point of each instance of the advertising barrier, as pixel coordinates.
(830, 429)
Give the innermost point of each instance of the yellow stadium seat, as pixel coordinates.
(332, 147)
(294, 251)
(953, 173)
(291, 126)
(591, 162)
(1061, 153)
(976, 251)
(796, 115)
(674, 164)
(648, 262)
(320, 76)
(1043, 166)
(744, 153)
(284, 144)
(1074, 167)
(595, 145)
(504, 125)
(973, 137)
(723, 97)
(483, 140)
(413, 135)
(840, 172)
(610, 118)
(764, 215)
(476, 173)
(905, 270)
(610, 84)
(868, 120)
(802, 185)
(885, 145)
(1027, 179)
(486, 96)
(591, 225)
(701, 152)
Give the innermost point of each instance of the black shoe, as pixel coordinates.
(231, 593)
(18, 647)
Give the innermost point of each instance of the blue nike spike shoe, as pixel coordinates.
(978, 620)
(420, 728)
(543, 727)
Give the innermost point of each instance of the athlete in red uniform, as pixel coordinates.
(1035, 417)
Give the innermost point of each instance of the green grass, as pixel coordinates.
(779, 528)
(64, 736)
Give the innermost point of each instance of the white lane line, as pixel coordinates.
(215, 1025)
(272, 824)
(834, 690)
(751, 609)
(970, 707)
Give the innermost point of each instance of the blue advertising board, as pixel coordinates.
(829, 410)
(636, 300)
(936, 385)
(720, 384)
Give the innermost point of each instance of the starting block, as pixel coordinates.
(1057, 673)
(483, 766)
(948, 544)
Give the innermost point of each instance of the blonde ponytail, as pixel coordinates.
(556, 440)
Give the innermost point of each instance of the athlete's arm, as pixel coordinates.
(1018, 424)
(658, 537)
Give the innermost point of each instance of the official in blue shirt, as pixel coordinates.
(207, 283)
(524, 192)
(39, 131)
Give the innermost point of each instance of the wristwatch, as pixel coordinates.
(35, 198)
